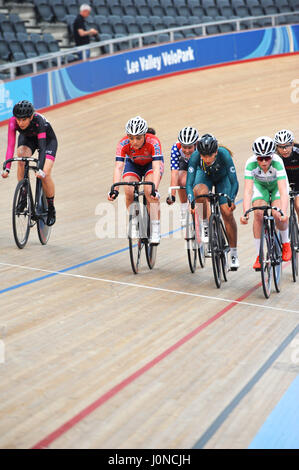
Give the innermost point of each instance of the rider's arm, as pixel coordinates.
(156, 173)
(192, 167)
(174, 167)
(41, 140)
(248, 190)
(231, 172)
(11, 140)
(284, 197)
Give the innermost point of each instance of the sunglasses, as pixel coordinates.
(260, 159)
(282, 147)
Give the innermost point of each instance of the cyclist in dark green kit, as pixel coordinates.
(212, 165)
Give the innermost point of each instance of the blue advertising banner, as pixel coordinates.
(77, 80)
(11, 92)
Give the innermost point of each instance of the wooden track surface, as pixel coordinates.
(97, 357)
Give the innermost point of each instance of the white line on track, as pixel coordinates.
(142, 286)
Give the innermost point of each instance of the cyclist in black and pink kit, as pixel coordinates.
(35, 133)
(138, 156)
(288, 150)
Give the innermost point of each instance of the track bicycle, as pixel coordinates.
(294, 232)
(270, 254)
(28, 211)
(140, 212)
(218, 244)
(193, 237)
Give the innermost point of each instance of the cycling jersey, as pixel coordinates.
(178, 160)
(38, 135)
(291, 165)
(265, 184)
(221, 174)
(150, 151)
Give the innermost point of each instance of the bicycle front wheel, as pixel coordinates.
(224, 251)
(277, 263)
(265, 261)
(135, 241)
(215, 249)
(21, 214)
(43, 229)
(198, 230)
(294, 239)
(191, 243)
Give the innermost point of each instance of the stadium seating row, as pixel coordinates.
(57, 10)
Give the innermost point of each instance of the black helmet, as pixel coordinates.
(23, 109)
(207, 144)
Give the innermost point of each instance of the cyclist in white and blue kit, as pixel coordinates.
(181, 152)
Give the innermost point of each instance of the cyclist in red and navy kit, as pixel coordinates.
(288, 150)
(35, 133)
(181, 152)
(139, 156)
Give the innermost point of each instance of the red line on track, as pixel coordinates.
(124, 383)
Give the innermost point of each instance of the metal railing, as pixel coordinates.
(57, 59)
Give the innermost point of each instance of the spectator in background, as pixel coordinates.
(81, 34)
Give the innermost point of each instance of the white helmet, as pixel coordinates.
(263, 146)
(188, 136)
(284, 137)
(136, 126)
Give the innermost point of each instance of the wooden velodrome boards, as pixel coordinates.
(97, 357)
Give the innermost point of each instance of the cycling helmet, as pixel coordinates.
(263, 146)
(207, 144)
(284, 137)
(188, 136)
(23, 109)
(136, 126)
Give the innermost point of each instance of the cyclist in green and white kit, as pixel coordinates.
(265, 176)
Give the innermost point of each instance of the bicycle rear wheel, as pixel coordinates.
(215, 249)
(21, 213)
(191, 242)
(294, 239)
(277, 263)
(198, 230)
(265, 260)
(43, 229)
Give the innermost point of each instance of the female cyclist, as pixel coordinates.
(181, 152)
(212, 165)
(288, 150)
(138, 156)
(265, 176)
(35, 133)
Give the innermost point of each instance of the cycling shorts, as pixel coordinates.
(132, 169)
(32, 143)
(222, 186)
(263, 192)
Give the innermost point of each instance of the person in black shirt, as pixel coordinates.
(288, 150)
(81, 33)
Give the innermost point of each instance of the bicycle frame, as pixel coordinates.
(270, 254)
(218, 239)
(37, 208)
(143, 220)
